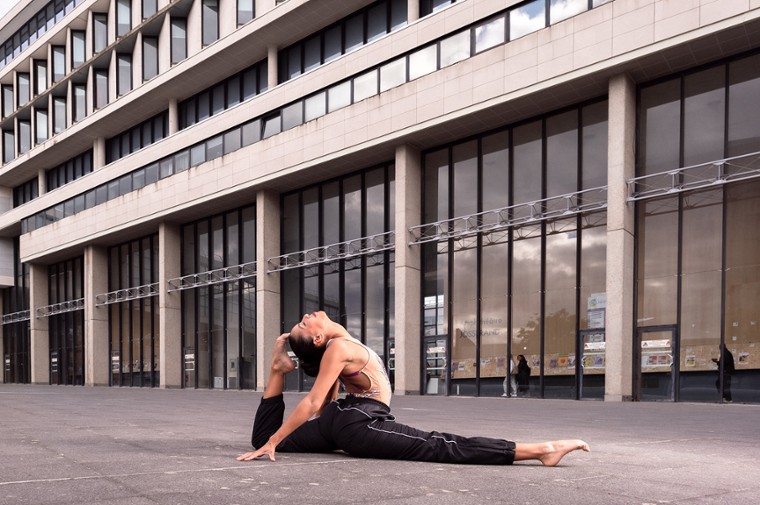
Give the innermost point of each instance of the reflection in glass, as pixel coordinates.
(423, 62)
(455, 48)
(743, 106)
(659, 127)
(464, 336)
(704, 116)
(594, 154)
(563, 9)
(658, 262)
(339, 96)
(365, 85)
(527, 19)
(393, 74)
(494, 306)
(562, 153)
(527, 163)
(526, 306)
(490, 34)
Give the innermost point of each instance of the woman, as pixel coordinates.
(361, 424)
(523, 375)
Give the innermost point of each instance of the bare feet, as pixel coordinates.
(281, 362)
(556, 450)
(548, 453)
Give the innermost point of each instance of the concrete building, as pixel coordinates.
(573, 183)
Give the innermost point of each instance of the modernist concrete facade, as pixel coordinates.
(580, 54)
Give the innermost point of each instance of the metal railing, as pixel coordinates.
(17, 317)
(123, 295)
(344, 250)
(216, 276)
(60, 308)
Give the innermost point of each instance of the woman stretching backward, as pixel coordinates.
(361, 424)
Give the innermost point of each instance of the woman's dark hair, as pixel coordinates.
(309, 356)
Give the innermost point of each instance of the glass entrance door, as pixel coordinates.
(658, 354)
(435, 366)
(592, 364)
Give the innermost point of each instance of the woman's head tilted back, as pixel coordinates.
(309, 355)
(308, 340)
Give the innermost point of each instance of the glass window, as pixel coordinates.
(354, 32)
(339, 96)
(217, 99)
(123, 17)
(423, 61)
(182, 161)
(58, 55)
(99, 32)
(563, 9)
(214, 147)
(704, 115)
(333, 43)
(245, 11)
(9, 146)
(149, 7)
(272, 125)
(232, 141)
(204, 105)
(251, 132)
(59, 114)
(40, 76)
(594, 156)
(660, 123)
(198, 154)
(7, 100)
(79, 107)
(365, 86)
(312, 53)
(210, 13)
(490, 34)
(124, 73)
(527, 19)
(41, 125)
(495, 184)
(78, 55)
(293, 61)
(24, 136)
(455, 48)
(101, 88)
(24, 89)
(151, 173)
(166, 167)
(377, 21)
(561, 155)
(179, 39)
(292, 115)
(527, 163)
(398, 13)
(233, 91)
(393, 74)
(150, 58)
(315, 106)
(250, 84)
(743, 106)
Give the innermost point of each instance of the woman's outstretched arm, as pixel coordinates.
(321, 392)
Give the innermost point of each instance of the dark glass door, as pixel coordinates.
(592, 364)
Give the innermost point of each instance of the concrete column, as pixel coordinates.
(39, 338)
(98, 153)
(227, 17)
(42, 181)
(169, 307)
(173, 116)
(407, 272)
(97, 361)
(272, 67)
(412, 10)
(268, 316)
(620, 240)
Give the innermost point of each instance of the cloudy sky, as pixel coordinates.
(6, 5)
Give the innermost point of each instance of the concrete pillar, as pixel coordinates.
(268, 316)
(407, 273)
(97, 361)
(272, 67)
(262, 6)
(39, 339)
(169, 307)
(620, 240)
(173, 116)
(42, 181)
(99, 153)
(412, 10)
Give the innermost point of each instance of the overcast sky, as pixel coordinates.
(6, 5)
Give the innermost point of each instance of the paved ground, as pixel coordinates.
(81, 445)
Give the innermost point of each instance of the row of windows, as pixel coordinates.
(228, 93)
(447, 51)
(69, 171)
(43, 21)
(25, 192)
(350, 33)
(138, 137)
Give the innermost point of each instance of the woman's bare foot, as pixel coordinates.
(281, 362)
(556, 450)
(548, 453)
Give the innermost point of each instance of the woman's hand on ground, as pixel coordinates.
(267, 449)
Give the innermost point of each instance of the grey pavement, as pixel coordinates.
(119, 446)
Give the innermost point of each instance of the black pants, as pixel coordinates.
(365, 428)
